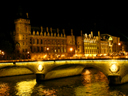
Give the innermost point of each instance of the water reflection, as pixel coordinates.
(4, 89)
(25, 88)
(91, 82)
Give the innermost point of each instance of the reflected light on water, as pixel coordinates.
(25, 88)
(45, 92)
(95, 83)
(4, 89)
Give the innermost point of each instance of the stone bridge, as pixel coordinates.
(116, 70)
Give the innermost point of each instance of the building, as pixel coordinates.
(44, 42)
(110, 43)
(40, 42)
(79, 45)
(90, 45)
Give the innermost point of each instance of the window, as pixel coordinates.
(41, 49)
(30, 40)
(34, 49)
(33, 41)
(37, 41)
(31, 48)
(61, 49)
(64, 49)
(41, 41)
(38, 49)
(58, 49)
(23, 50)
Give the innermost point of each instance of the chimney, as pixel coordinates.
(41, 28)
(57, 30)
(91, 33)
(63, 30)
(85, 35)
(27, 15)
(99, 33)
(51, 29)
(71, 31)
(46, 29)
(81, 32)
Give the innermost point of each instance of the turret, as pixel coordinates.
(22, 29)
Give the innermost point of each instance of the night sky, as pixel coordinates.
(84, 16)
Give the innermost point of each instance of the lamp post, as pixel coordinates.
(119, 45)
(47, 50)
(2, 54)
(28, 55)
(71, 50)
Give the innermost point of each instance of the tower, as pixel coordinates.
(22, 32)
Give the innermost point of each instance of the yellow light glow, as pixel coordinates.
(40, 67)
(24, 88)
(119, 44)
(114, 68)
(71, 49)
(45, 56)
(47, 48)
(105, 54)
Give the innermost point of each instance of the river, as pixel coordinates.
(91, 83)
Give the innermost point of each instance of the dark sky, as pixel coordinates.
(84, 16)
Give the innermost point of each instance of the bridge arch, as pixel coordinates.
(70, 70)
(14, 70)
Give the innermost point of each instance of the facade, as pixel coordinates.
(90, 45)
(47, 43)
(79, 45)
(111, 43)
(41, 42)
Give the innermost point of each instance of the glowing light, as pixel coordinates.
(45, 56)
(114, 68)
(24, 88)
(119, 44)
(40, 67)
(28, 52)
(71, 49)
(47, 48)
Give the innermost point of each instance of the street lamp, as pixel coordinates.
(119, 44)
(71, 50)
(28, 55)
(47, 50)
(119, 47)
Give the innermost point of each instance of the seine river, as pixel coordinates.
(91, 83)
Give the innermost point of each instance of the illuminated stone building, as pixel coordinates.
(79, 45)
(90, 45)
(40, 42)
(101, 45)
(110, 43)
(71, 46)
(48, 43)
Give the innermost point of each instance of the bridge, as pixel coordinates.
(116, 70)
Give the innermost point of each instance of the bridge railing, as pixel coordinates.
(97, 57)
